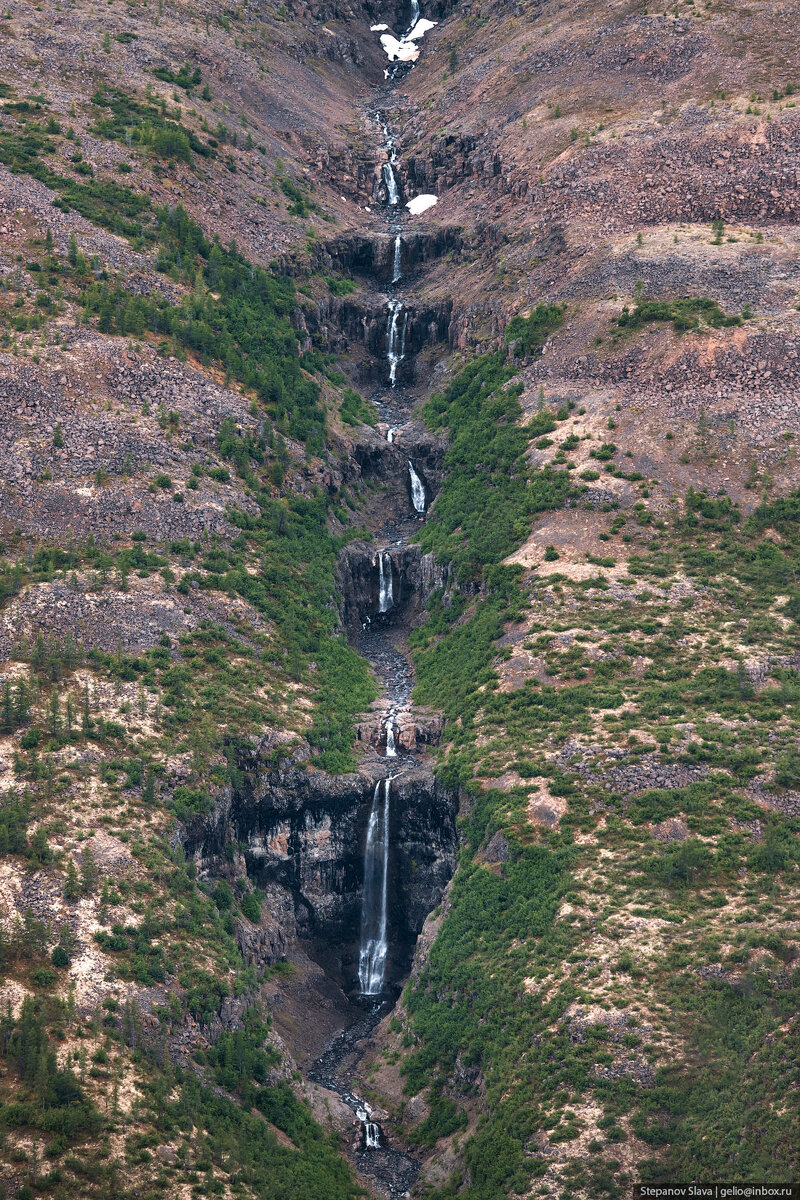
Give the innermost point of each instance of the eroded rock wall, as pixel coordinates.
(299, 834)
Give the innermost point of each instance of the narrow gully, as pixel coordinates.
(393, 1170)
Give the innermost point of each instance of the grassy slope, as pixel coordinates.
(612, 996)
(111, 948)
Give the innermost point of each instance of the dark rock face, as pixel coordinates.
(301, 834)
(347, 322)
(372, 255)
(415, 575)
(425, 848)
(345, 325)
(388, 461)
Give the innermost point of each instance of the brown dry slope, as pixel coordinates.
(587, 153)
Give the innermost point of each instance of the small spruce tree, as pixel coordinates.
(71, 883)
(89, 872)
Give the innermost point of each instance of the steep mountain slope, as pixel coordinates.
(276, 451)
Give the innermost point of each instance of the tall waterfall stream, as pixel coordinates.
(374, 916)
(393, 1170)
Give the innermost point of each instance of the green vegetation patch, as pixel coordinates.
(240, 318)
(490, 1032)
(489, 494)
(684, 314)
(145, 125)
(355, 410)
(470, 1008)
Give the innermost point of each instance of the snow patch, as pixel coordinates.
(420, 203)
(404, 51)
(420, 29)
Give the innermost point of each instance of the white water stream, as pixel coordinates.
(372, 1135)
(417, 489)
(397, 1167)
(374, 905)
(396, 337)
(391, 184)
(391, 750)
(385, 582)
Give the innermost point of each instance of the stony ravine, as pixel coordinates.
(378, 637)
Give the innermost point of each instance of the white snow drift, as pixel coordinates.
(420, 203)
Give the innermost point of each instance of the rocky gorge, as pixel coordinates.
(398, 599)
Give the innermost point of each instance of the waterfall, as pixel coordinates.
(391, 751)
(372, 1135)
(390, 435)
(385, 582)
(372, 952)
(417, 489)
(390, 145)
(372, 1130)
(397, 341)
(414, 14)
(391, 183)
(398, 251)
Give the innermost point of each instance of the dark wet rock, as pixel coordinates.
(415, 576)
(372, 255)
(301, 837)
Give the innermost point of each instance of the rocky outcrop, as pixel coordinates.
(414, 575)
(388, 461)
(372, 255)
(343, 324)
(300, 834)
(414, 729)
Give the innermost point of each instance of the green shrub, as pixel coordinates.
(354, 410)
(684, 314)
(171, 143)
(251, 907)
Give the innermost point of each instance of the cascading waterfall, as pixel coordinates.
(391, 184)
(417, 489)
(385, 582)
(396, 335)
(372, 1130)
(395, 1170)
(388, 140)
(372, 1135)
(391, 750)
(374, 903)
